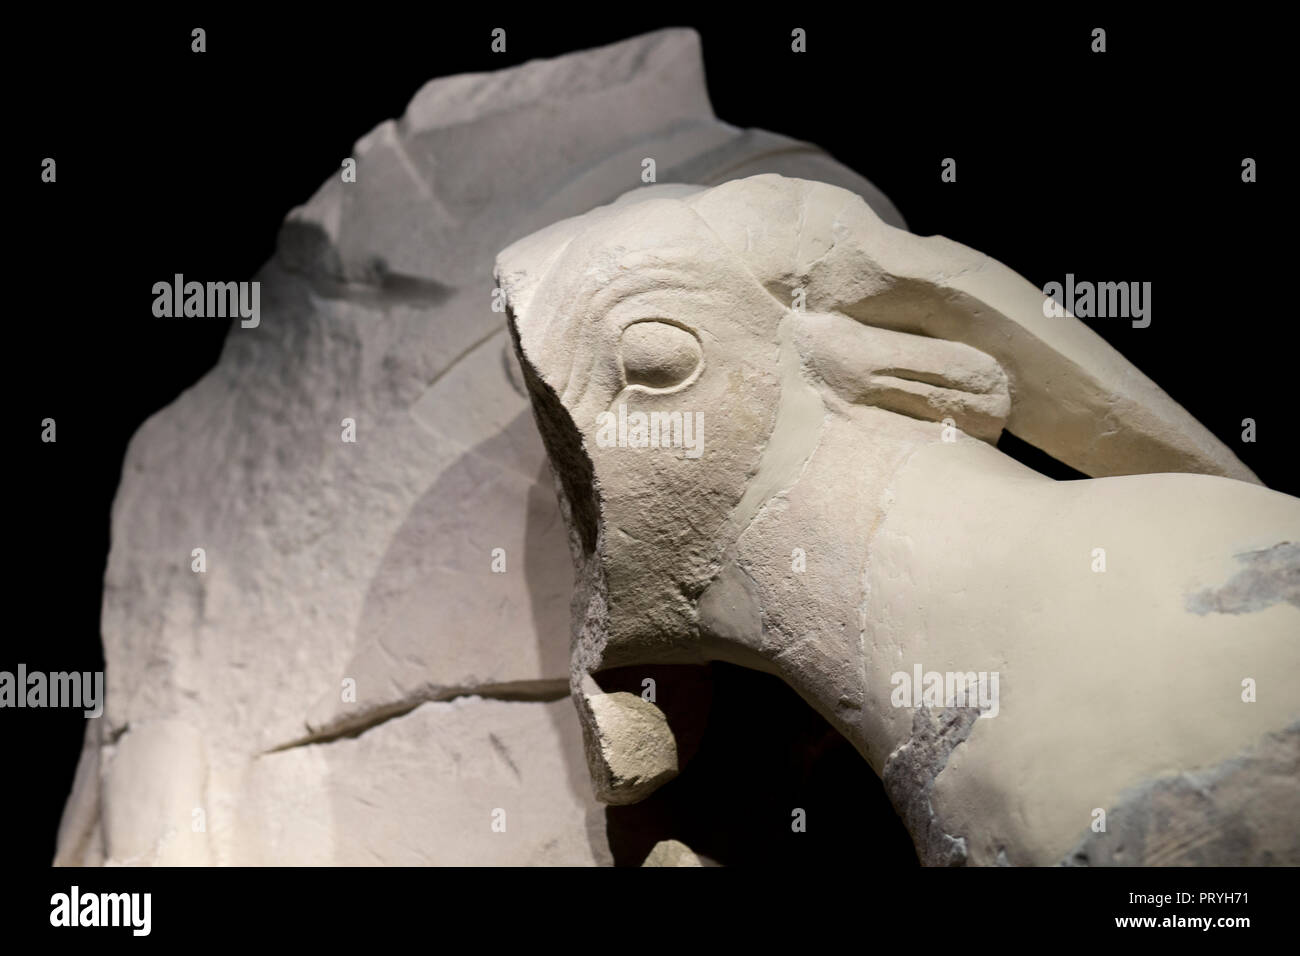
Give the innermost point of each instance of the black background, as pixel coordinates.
(1117, 166)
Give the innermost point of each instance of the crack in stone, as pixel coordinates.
(535, 691)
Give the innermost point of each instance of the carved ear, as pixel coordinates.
(916, 376)
(1072, 395)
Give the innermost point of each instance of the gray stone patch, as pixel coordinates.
(1242, 812)
(1269, 576)
(909, 776)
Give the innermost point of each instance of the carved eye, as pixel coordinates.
(658, 354)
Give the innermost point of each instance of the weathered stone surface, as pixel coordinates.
(909, 776)
(1242, 812)
(372, 562)
(468, 782)
(672, 853)
(1268, 576)
(636, 750)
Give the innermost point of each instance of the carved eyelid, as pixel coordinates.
(659, 354)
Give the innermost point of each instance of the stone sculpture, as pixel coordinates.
(771, 418)
(229, 734)
(225, 737)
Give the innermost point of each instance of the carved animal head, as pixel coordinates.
(677, 306)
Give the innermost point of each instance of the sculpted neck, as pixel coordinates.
(792, 598)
